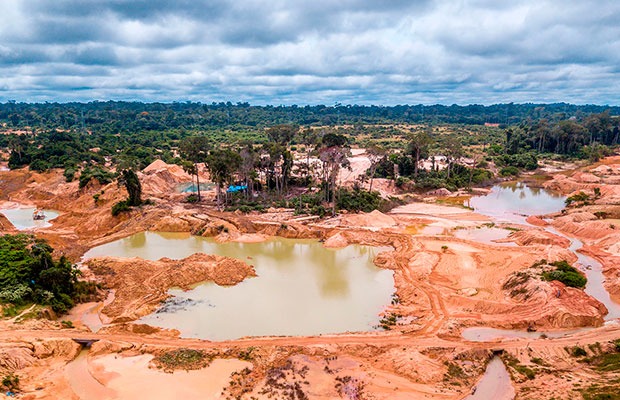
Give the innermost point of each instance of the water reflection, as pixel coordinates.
(514, 201)
(302, 288)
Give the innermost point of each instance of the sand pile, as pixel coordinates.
(140, 285)
(374, 219)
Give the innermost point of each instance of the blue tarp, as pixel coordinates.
(233, 188)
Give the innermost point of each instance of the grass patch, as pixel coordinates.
(513, 363)
(607, 362)
(607, 391)
(187, 359)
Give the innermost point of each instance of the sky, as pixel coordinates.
(311, 52)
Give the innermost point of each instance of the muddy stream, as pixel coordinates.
(513, 203)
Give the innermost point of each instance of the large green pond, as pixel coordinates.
(302, 288)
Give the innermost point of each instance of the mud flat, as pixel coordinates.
(131, 377)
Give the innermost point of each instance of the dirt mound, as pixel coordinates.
(63, 348)
(140, 285)
(587, 229)
(585, 177)
(158, 166)
(535, 236)
(139, 329)
(160, 178)
(564, 307)
(106, 347)
(536, 221)
(5, 225)
(374, 219)
(15, 358)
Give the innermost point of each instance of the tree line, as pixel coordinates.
(112, 117)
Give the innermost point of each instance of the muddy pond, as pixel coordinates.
(302, 288)
(515, 201)
(21, 218)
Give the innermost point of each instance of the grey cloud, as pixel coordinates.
(308, 52)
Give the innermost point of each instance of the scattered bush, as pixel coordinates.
(101, 175)
(577, 351)
(67, 324)
(192, 198)
(69, 174)
(10, 382)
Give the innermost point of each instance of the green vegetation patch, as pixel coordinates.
(608, 391)
(187, 359)
(566, 274)
(29, 274)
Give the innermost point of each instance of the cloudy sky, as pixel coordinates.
(311, 52)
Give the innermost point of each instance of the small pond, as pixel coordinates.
(302, 288)
(514, 201)
(21, 218)
(191, 187)
(487, 235)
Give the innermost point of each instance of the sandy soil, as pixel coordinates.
(444, 285)
(131, 378)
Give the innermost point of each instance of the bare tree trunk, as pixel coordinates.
(218, 196)
(198, 182)
(417, 162)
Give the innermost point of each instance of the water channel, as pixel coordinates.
(21, 218)
(514, 202)
(302, 288)
(495, 383)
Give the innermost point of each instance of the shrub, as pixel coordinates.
(121, 206)
(67, 324)
(577, 351)
(566, 274)
(39, 165)
(358, 200)
(10, 382)
(192, 198)
(509, 171)
(69, 174)
(579, 197)
(101, 175)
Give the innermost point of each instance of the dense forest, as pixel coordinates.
(29, 274)
(132, 117)
(254, 147)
